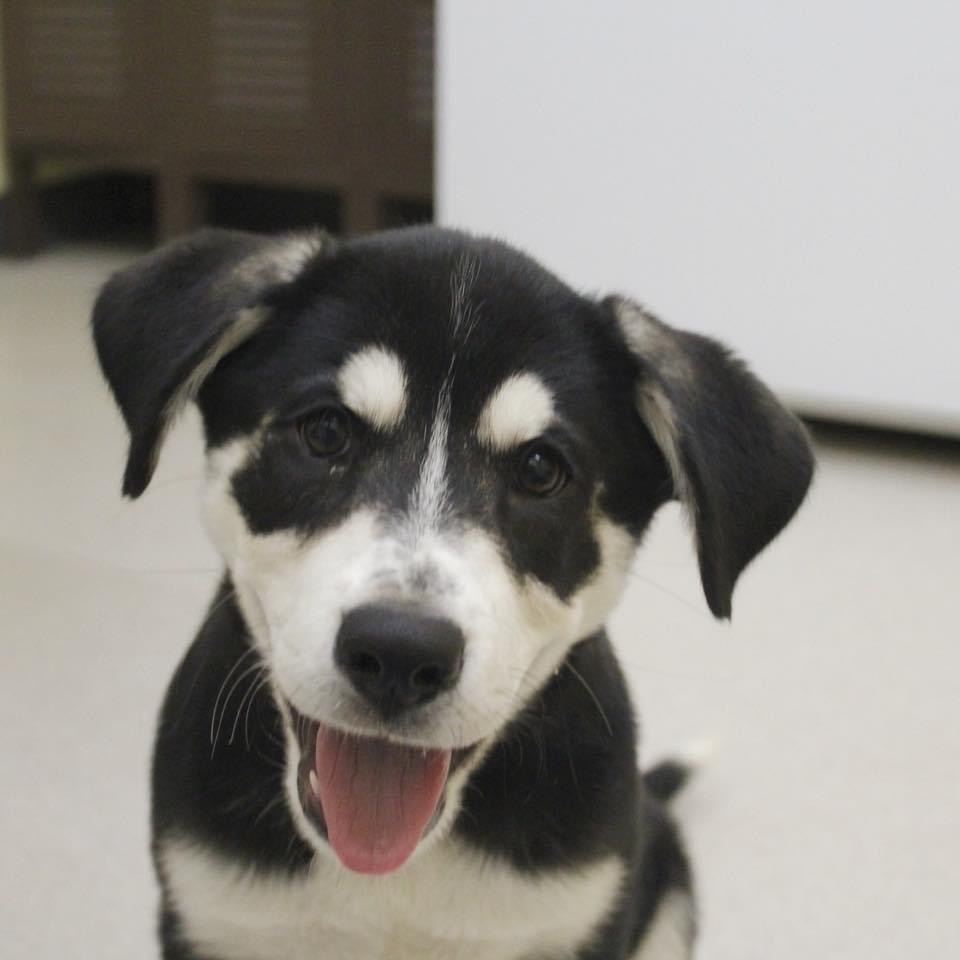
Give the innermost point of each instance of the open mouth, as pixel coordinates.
(374, 800)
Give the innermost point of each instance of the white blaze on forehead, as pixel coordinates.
(520, 409)
(430, 494)
(373, 385)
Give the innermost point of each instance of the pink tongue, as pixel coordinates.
(377, 797)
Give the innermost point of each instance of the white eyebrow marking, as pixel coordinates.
(373, 385)
(520, 409)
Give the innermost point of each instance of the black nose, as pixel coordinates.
(398, 658)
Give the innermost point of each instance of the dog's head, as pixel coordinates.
(428, 465)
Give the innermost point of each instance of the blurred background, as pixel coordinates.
(781, 176)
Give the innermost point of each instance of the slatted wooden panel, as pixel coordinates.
(78, 70)
(401, 69)
(421, 71)
(75, 48)
(261, 55)
(256, 79)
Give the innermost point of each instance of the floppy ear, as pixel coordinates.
(740, 463)
(162, 325)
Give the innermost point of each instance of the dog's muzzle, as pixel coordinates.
(374, 798)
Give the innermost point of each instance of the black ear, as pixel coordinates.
(740, 463)
(161, 325)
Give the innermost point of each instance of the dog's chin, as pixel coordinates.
(373, 800)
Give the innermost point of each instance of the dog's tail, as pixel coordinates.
(667, 778)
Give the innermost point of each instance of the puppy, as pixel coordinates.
(401, 731)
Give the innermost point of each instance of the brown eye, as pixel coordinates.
(542, 472)
(327, 432)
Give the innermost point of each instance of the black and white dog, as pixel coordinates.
(401, 731)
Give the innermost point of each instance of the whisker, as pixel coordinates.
(226, 701)
(228, 595)
(272, 805)
(226, 680)
(257, 678)
(260, 684)
(273, 762)
(683, 601)
(593, 696)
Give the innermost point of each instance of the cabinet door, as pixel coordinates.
(394, 78)
(78, 73)
(251, 81)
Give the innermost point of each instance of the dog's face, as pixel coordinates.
(429, 463)
(445, 437)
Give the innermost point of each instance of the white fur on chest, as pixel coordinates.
(449, 903)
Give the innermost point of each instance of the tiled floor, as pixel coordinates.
(827, 824)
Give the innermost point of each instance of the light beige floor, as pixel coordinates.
(826, 825)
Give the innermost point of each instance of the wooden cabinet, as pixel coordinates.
(327, 94)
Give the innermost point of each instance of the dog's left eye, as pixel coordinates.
(326, 433)
(542, 471)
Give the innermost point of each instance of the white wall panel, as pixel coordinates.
(784, 175)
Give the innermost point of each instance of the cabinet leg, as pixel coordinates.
(23, 233)
(180, 205)
(361, 211)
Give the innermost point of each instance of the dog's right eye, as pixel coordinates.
(326, 433)
(542, 471)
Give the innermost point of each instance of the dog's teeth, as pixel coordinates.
(314, 783)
